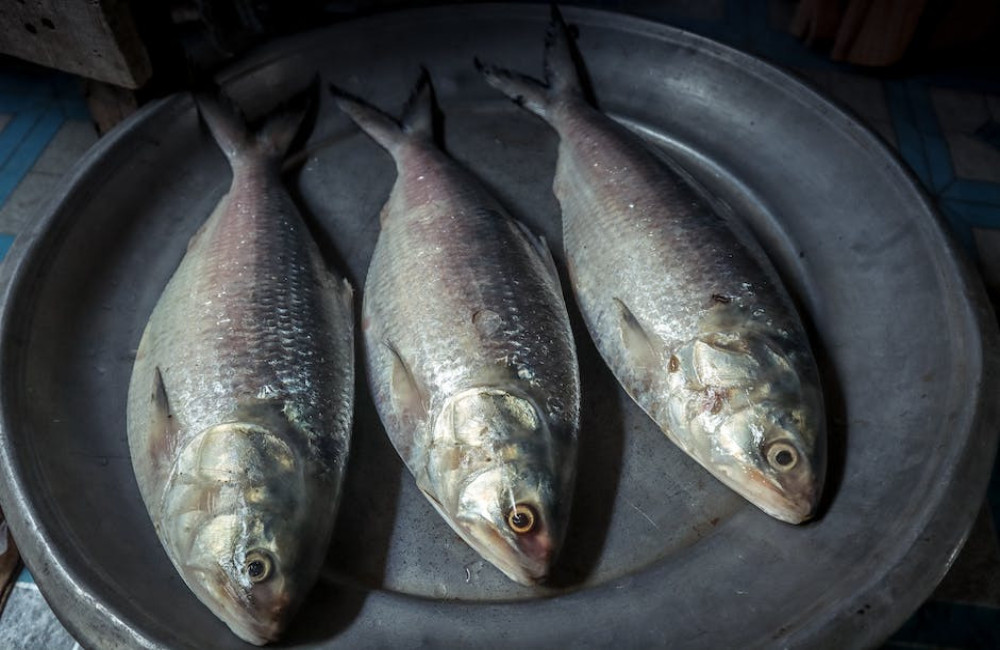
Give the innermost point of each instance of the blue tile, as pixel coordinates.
(959, 225)
(922, 111)
(982, 192)
(5, 243)
(18, 103)
(938, 156)
(17, 157)
(976, 215)
(935, 146)
(75, 108)
(921, 141)
(15, 131)
(25, 576)
(908, 138)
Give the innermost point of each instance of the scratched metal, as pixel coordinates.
(658, 552)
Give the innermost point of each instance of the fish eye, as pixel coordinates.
(258, 565)
(522, 518)
(782, 456)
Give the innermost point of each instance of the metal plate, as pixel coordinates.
(659, 553)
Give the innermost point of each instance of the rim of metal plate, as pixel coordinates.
(905, 581)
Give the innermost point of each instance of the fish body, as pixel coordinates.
(241, 395)
(469, 351)
(687, 311)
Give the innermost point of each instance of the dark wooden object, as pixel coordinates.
(883, 32)
(96, 39)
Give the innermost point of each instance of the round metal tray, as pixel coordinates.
(659, 553)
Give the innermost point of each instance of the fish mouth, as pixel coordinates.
(788, 510)
(527, 564)
(258, 631)
(233, 609)
(793, 506)
(255, 634)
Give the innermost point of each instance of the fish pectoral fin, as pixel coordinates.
(347, 295)
(162, 424)
(541, 248)
(636, 341)
(407, 397)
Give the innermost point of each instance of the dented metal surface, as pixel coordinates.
(657, 552)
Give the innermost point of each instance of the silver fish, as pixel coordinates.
(241, 397)
(469, 350)
(691, 317)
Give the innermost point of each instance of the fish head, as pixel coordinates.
(763, 453)
(507, 515)
(237, 531)
(755, 419)
(244, 579)
(506, 492)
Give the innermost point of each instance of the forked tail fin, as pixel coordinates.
(562, 79)
(416, 122)
(270, 140)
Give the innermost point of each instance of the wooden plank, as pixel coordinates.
(877, 33)
(816, 21)
(109, 104)
(96, 39)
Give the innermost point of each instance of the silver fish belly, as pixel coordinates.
(469, 353)
(241, 396)
(690, 316)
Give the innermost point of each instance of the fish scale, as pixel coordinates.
(682, 304)
(461, 241)
(245, 317)
(676, 240)
(469, 351)
(241, 395)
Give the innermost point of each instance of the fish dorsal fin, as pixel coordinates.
(407, 397)
(539, 245)
(163, 425)
(636, 341)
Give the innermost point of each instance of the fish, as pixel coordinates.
(469, 353)
(241, 397)
(683, 305)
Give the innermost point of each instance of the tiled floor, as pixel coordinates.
(27, 621)
(946, 129)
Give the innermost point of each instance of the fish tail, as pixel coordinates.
(226, 123)
(562, 78)
(418, 113)
(561, 73)
(273, 137)
(416, 122)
